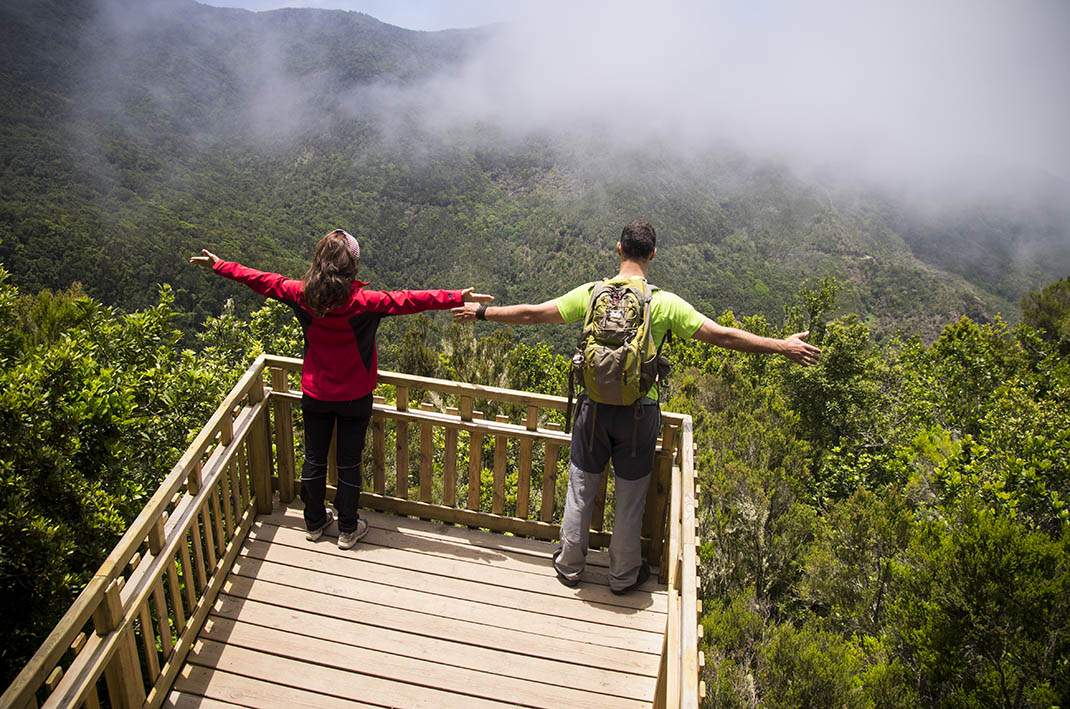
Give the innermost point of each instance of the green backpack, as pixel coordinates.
(615, 358)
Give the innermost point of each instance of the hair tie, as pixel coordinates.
(354, 247)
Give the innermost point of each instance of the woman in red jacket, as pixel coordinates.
(339, 319)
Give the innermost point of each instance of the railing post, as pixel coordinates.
(123, 673)
(549, 477)
(523, 489)
(193, 480)
(260, 450)
(657, 498)
(284, 434)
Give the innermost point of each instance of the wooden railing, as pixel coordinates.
(678, 683)
(486, 457)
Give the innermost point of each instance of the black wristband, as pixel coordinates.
(481, 312)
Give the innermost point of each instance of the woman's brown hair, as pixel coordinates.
(330, 277)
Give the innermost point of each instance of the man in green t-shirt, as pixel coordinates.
(626, 434)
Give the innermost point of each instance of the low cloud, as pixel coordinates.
(953, 94)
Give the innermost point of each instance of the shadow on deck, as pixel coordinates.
(419, 614)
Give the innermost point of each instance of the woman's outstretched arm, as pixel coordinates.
(407, 302)
(264, 283)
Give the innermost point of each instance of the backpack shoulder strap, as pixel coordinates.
(590, 302)
(648, 297)
(594, 293)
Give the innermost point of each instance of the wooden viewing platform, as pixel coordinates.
(214, 597)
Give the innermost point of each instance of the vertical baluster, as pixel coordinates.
(401, 457)
(449, 483)
(284, 435)
(198, 558)
(523, 490)
(217, 517)
(209, 538)
(163, 618)
(475, 467)
(549, 477)
(379, 455)
(227, 495)
(243, 478)
(501, 442)
(176, 597)
(235, 490)
(148, 642)
(188, 576)
(156, 543)
(426, 456)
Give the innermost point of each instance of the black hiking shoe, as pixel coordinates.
(644, 574)
(571, 583)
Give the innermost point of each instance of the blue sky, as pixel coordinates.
(410, 14)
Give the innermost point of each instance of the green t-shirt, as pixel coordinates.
(668, 311)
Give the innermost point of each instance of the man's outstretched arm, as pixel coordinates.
(733, 338)
(525, 314)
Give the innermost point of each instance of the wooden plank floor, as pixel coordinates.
(418, 614)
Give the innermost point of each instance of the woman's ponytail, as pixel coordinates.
(329, 280)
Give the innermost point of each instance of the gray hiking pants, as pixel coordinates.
(625, 555)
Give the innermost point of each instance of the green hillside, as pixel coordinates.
(158, 128)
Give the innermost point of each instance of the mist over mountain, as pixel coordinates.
(509, 157)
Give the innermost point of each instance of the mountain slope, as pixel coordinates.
(135, 133)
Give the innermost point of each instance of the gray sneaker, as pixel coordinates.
(314, 534)
(347, 540)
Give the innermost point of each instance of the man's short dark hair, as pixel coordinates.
(638, 240)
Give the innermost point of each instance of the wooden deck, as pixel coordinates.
(418, 614)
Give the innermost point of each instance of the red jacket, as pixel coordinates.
(340, 356)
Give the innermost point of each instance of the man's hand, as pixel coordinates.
(798, 351)
(465, 313)
(208, 259)
(469, 297)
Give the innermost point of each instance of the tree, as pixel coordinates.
(1048, 310)
(981, 611)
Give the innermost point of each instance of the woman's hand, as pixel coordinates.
(209, 259)
(468, 296)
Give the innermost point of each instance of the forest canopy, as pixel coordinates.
(894, 532)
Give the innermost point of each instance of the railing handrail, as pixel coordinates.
(476, 391)
(89, 600)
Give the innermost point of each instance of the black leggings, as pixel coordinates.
(352, 419)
